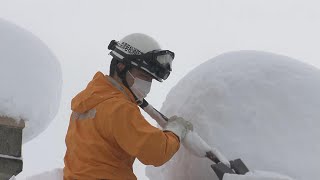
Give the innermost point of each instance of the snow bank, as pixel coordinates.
(30, 77)
(56, 174)
(257, 106)
(256, 175)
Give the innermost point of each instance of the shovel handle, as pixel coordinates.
(193, 142)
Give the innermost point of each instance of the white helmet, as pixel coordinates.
(142, 51)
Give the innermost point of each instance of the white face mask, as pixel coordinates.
(140, 87)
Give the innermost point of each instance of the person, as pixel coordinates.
(107, 131)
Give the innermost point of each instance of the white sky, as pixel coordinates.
(79, 31)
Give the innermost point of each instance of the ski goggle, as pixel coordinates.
(164, 58)
(158, 62)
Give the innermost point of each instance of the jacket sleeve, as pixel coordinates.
(140, 139)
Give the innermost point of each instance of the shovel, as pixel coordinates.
(224, 169)
(197, 146)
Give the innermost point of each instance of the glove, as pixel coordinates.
(178, 126)
(198, 147)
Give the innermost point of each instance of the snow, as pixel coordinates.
(30, 77)
(56, 174)
(256, 175)
(257, 106)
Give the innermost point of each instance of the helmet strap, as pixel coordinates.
(122, 75)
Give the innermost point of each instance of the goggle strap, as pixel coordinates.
(115, 53)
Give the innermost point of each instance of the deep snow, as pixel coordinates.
(31, 79)
(257, 106)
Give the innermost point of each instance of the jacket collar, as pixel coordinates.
(121, 88)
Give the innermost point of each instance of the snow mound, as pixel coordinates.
(256, 175)
(30, 77)
(257, 106)
(56, 174)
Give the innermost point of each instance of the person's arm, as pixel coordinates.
(140, 139)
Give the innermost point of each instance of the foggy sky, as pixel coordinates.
(79, 31)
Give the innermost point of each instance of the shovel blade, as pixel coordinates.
(239, 167)
(220, 169)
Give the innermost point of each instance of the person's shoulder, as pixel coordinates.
(119, 104)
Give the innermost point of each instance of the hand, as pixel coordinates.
(178, 126)
(198, 147)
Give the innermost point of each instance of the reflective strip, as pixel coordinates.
(117, 54)
(122, 51)
(134, 63)
(81, 116)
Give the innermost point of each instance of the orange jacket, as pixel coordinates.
(107, 132)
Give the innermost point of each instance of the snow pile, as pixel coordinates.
(56, 174)
(257, 106)
(30, 77)
(256, 175)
